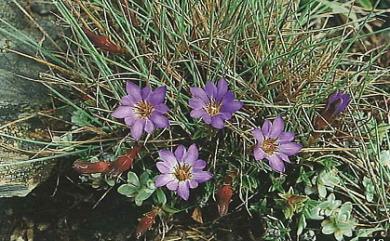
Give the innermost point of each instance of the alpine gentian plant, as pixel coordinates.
(214, 104)
(143, 109)
(181, 170)
(336, 103)
(274, 144)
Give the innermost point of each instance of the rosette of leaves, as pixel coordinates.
(327, 180)
(329, 206)
(340, 223)
(138, 188)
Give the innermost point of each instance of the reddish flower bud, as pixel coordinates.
(145, 223)
(88, 167)
(104, 43)
(224, 197)
(125, 162)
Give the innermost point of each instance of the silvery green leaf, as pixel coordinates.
(328, 227)
(160, 197)
(385, 158)
(369, 189)
(144, 194)
(301, 225)
(128, 190)
(144, 178)
(321, 191)
(314, 214)
(133, 180)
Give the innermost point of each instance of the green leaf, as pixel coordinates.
(170, 210)
(369, 189)
(365, 4)
(81, 118)
(144, 178)
(301, 224)
(133, 180)
(128, 190)
(160, 197)
(142, 195)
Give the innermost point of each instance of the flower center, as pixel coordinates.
(143, 109)
(269, 146)
(213, 108)
(183, 172)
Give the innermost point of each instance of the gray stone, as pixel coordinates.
(20, 97)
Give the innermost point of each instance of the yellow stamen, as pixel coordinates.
(213, 108)
(269, 146)
(143, 109)
(183, 172)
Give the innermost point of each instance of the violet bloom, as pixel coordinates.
(214, 104)
(336, 103)
(181, 170)
(274, 144)
(143, 109)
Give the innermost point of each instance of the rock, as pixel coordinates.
(20, 97)
(20, 179)
(42, 8)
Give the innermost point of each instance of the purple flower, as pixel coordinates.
(274, 144)
(143, 109)
(181, 170)
(214, 104)
(336, 103)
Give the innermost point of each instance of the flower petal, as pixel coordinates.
(196, 103)
(127, 100)
(184, 190)
(206, 118)
(199, 164)
(193, 183)
(290, 148)
(145, 92)
(200, 93)
(232, 106)
(161, 108)
(211, 89)
(267, 125)
(217, 122)
(191, 155)
(283, 156)
(164, 167)
(122, 112)
(137, 129)
(158, 95)
(167, 156)
(173, 185)
(285, 137)
(258, 135)
(179, 152)
(197, 113)
(276, 163)
(149, 126)
(222, 89)
(258, 153)
(277, 127)
(225, 115)
(229, 97)
(130, 120)
(159, 120)
(202, 176)
(163, 179)
(134, 91)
